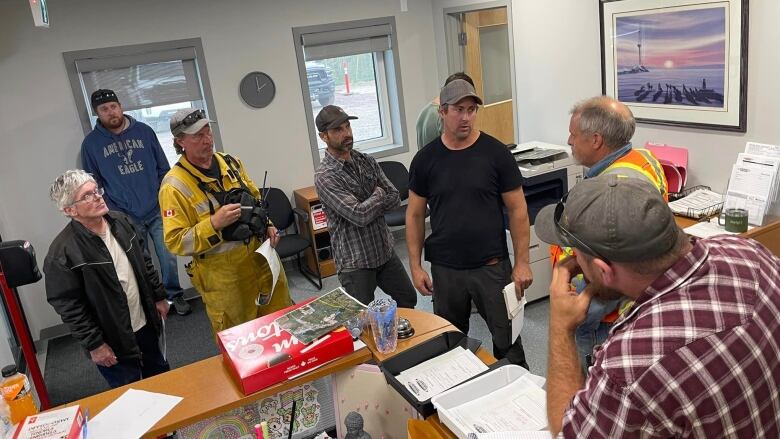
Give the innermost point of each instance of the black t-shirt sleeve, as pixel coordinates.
(418, 182)
(509, 176)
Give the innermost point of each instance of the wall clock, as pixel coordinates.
(257, 89)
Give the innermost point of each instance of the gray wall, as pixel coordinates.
(40, 129)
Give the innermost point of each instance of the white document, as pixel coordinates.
(131, 415)
(705, 229)
(518, 406)
(750, 187)
(515, 309)
(762, 175)
(441, 373)
(270, 255)
(696, 202)
(762, 149)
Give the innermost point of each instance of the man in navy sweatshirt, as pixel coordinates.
(127, 160)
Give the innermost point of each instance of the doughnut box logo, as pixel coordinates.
(260, 354)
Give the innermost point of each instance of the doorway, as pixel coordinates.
(479, 42)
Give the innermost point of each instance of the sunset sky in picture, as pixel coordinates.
(680, 39)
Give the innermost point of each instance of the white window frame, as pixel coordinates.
(388, 85)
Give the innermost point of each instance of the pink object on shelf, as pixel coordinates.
(671, 157)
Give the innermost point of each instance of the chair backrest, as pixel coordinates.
(397, 173)
(279, 208)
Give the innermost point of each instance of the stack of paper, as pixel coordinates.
(518, 406)
(697, 204)
(754, 181)
(438, 374)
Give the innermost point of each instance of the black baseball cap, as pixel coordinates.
(102, 96)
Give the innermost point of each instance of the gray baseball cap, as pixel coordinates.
(331, 117)
(188, 121)
(456, 90)
(612, 217)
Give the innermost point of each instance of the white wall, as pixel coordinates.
(40, 129)
(558, 62)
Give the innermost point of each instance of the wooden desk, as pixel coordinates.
(768, 234)
(208, 389)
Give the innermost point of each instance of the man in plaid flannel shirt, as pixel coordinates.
(697, 356)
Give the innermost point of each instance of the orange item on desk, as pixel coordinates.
(16, 391)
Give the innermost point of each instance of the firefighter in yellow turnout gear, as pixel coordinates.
(228, 274)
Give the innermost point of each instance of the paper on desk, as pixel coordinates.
(698, 201)
(518, 406)
(515, 309)
(131, 415)
(441, 373)
(270, 255)
(705, 229)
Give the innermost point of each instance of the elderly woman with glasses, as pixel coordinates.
(103, 284)
(199, 218)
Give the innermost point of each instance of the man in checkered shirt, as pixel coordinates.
(355, 194)
(698, 354)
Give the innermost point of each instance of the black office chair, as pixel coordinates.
(398, 175)
(283, 215)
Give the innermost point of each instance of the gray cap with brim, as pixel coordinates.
(457, 90)
(623, 219)
(179, 116)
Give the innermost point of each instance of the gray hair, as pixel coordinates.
(597, 115)
(66, 185)
(176, 146)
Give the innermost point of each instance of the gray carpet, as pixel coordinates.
(71, 375)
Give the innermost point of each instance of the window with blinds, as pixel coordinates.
(353, 65)
(152, 81)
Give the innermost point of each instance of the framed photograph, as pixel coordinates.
(677, 62)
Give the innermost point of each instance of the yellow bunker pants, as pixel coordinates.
(230, 282)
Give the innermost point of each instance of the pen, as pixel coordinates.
(84, 427)
(292, 421)
(258, 432)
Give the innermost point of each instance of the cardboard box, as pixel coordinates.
(260, 354)
(65, 423)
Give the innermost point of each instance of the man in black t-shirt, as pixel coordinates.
(467, 177)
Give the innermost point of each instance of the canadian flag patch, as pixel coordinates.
(169, 213)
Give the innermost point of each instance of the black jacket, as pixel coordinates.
(83, 287)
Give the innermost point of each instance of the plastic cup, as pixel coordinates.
(383, 317)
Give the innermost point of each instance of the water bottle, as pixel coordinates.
(17, 393)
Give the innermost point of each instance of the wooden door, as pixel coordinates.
(486, 59)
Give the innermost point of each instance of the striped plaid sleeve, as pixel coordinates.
(605, 409)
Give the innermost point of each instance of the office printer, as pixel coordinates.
(549, 172)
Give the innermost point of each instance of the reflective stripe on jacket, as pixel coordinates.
(185, 209)
(637, 163)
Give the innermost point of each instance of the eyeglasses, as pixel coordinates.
(571, 237)
(91, 197)
(188, 121)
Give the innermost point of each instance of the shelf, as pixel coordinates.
(305, 198)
